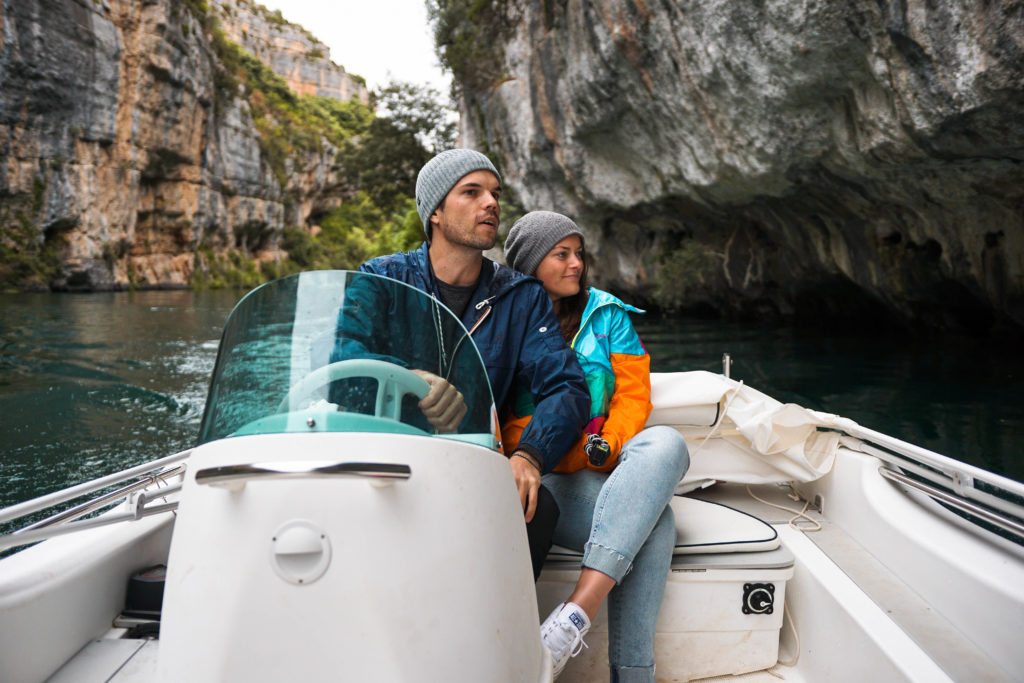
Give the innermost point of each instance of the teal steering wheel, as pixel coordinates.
(393, 382)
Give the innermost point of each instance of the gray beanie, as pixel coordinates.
(533, 236)
(439, 175)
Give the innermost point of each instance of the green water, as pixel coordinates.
(93, 383)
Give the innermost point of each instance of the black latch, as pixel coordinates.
(758, 598)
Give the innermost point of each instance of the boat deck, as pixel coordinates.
(883, 611)
(897, 602)
(111, 659)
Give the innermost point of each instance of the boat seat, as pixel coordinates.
(703, 528)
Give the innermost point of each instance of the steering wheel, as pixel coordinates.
(393, 382)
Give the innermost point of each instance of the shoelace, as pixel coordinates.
(578, 644)
(576, 639)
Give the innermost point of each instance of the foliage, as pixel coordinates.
(684, 271)
(228, 269)
(380, 155)
(352, 233)
(416, 110)
(288, 124)
(466, 35)
(411, 127)
(26, 262)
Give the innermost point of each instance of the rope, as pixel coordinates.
(718, 422)
(815, 524)
(796, 639)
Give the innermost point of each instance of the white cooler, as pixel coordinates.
(722, 609)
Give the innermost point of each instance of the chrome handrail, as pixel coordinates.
(64, 495)
(108, 498)
(68, 521)
(236, 476)
(956, 501)
(961, 479)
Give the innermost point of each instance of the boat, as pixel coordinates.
(320, 529)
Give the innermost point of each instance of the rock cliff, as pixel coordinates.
(290, 50)
(125, 159)
(816, 159)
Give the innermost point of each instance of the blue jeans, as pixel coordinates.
(622, 524)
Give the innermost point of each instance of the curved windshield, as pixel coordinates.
(336, 351)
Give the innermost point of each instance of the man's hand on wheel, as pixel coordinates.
(443, 406)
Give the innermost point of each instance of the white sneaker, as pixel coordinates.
(562, 633)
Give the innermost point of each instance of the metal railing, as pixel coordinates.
(960, 503)
(165, 474)
(982, 495)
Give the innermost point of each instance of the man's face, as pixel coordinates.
(468, 216)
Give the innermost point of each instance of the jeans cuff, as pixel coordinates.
(632, 674)
(606, 561)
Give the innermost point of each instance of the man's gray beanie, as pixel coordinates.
(533, 236)
(439, 175)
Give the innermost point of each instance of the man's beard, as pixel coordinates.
(468, 238)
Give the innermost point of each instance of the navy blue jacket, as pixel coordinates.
(517, 333)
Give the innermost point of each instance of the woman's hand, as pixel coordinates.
(526, 473)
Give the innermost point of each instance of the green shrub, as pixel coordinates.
(25, 261)
(683, 272)
(467, 34)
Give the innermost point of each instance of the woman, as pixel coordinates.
(614, 486)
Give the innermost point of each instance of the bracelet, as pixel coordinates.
(527, 458)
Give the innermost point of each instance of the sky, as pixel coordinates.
(376, 39)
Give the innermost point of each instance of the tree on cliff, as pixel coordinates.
(411, 126)
(381, 163)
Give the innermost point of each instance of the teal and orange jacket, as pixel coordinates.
(618, 374)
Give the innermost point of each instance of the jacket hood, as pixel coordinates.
(599, 297)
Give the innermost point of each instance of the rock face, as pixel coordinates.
(290, 50)
(819, 159)
(120, 154)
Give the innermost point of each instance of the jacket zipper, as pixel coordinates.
(485, 302)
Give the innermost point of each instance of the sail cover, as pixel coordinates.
(738, 434)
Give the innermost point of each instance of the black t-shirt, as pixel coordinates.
(456, 297)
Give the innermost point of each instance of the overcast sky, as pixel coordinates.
(375, 39)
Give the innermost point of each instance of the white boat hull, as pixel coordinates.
(372, 600)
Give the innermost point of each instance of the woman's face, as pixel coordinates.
(561, 268)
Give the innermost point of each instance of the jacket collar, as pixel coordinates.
(495, 279)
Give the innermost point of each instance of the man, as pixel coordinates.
(510, 319)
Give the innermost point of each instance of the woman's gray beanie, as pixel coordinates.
(533, 236)
(439, 175)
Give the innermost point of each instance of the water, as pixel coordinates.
(961, 397)
(93, 383)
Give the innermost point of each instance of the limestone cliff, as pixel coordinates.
(807, 158)
(290, 50)
(124, 154)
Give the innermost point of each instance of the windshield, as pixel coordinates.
(334, 351)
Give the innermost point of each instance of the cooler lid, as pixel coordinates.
(712, 535)
(705, 527)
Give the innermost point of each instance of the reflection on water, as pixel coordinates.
(94, 383)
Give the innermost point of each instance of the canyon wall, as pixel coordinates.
(838, 161)
(125, 160)
(290, 50)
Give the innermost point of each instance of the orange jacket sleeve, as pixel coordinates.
(627, 414)
(630, 405)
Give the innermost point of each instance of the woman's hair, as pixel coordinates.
(570, 308)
